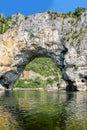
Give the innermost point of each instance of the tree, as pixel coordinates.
(79, 11)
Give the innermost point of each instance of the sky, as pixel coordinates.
(29, 7)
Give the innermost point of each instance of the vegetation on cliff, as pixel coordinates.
(76, 14)
(45, 67)
(5, 23)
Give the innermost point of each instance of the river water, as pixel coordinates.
(43, 110)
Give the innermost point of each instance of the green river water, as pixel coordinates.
(43, 110)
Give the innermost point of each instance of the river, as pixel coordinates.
(43, 110)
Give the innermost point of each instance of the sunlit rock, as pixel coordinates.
(61, 39)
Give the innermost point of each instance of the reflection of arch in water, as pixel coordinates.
(35, 107)
(65, 105)
(2, 93)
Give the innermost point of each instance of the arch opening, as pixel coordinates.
(41, 72)
(27, 56)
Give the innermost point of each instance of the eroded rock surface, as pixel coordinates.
(62, 39)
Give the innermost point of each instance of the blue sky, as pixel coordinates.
(28, 7)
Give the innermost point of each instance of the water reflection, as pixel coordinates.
(42, 110)
(2, 93)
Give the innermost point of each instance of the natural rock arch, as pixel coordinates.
(25, 52)
(39, 35)
(7, 79)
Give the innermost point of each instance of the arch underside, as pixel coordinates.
(8, 79)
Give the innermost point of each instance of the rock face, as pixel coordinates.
(62, 39)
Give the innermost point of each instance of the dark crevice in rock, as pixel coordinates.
(4, 82)
(85, 77)
(71, 86)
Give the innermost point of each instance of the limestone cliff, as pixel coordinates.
(64, 39)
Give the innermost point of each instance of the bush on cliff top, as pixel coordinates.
(5, 23)
(76, 14)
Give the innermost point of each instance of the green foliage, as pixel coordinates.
(32, 36)
(25, 83)
(26, 17)
(76, 68)
(43, 66)
(49, 81)
(79, 11)
(76, 14)
(5, 23)
(75, 36)
(13, 23)
(46, 68)
(55, 15)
